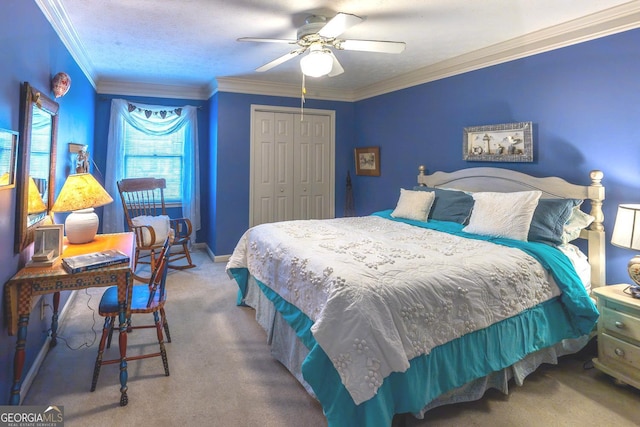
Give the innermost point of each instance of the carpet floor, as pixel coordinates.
(222, 374)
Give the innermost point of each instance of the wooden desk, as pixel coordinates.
(33, 281)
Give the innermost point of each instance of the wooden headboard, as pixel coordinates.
(505, 180)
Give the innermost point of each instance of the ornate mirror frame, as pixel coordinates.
(30, 99)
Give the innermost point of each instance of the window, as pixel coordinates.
(155, 156)
(153, 140)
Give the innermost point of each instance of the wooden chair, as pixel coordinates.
(144, 210)
(145, 298)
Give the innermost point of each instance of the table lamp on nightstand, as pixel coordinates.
(79, 195)
(626, 234)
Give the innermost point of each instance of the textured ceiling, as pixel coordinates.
(193, 43)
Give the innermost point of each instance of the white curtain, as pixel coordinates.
(164, 123)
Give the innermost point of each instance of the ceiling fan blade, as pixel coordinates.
(263, 40)
(336, 69)
(280, 60)
(371, 46)
(339, 24)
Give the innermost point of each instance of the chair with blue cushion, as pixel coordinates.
(146, 299)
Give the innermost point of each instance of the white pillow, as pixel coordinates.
(414, 205)
(503, 214)
(574, 225)
(160, 225)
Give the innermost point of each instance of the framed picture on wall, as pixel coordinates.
(368, 161)
(509, 142)
(8, 156)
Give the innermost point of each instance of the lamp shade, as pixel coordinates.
(35, 204)
(626, 231)
(317, 63)
(80, 194)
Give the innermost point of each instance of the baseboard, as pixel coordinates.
(35, 367)
(214, 257)
(221, 258)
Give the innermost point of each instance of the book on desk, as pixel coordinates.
(94, 260)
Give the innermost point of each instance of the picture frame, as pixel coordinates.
(367, 161)
(47, 245)
(508, 142)
(8, 158)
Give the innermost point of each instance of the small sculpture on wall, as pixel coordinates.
(60, 84)
(82, 162)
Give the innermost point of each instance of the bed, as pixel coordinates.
(471, 281)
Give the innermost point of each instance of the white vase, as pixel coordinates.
(81, 226)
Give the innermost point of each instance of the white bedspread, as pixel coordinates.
(382, 292)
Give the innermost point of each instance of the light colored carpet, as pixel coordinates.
(222, 374)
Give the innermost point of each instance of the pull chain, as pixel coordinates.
(304, 91)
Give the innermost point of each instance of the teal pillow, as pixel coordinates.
(549, 218)
(449, 205)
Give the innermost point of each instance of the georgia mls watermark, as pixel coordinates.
(32, 416)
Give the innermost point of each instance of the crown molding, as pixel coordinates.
(611, 21)
(155, 90)
(255, 87)
(57, 17)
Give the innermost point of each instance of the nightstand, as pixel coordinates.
(618, 334)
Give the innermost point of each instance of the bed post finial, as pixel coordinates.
(421, 170)
(596, 195)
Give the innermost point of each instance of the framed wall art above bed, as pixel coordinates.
(509, 142)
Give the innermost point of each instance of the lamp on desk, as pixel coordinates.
(626, 234)
(35, 204)
(79, 195)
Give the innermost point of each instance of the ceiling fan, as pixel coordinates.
(317, 36)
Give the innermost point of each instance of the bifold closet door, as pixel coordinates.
(311, 167)
(273, 167)
(291, 167)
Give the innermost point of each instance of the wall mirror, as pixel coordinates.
(35, 179)
(8, 157)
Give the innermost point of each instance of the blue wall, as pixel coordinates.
(582, 99)
(231, 205)
(31, 51)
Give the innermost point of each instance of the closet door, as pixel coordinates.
(273, 167)
(292, 164)
(312, 158)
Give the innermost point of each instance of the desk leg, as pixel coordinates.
(54, 320)
(18, 360)
(124, 399)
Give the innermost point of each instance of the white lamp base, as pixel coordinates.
(81, 226)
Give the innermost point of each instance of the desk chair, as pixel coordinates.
(146, 298)
(146, 215)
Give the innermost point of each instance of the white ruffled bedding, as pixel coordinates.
(370, 318)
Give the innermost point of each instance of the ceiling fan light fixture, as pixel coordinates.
(317, 63)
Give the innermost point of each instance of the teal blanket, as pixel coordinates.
(454, 364)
